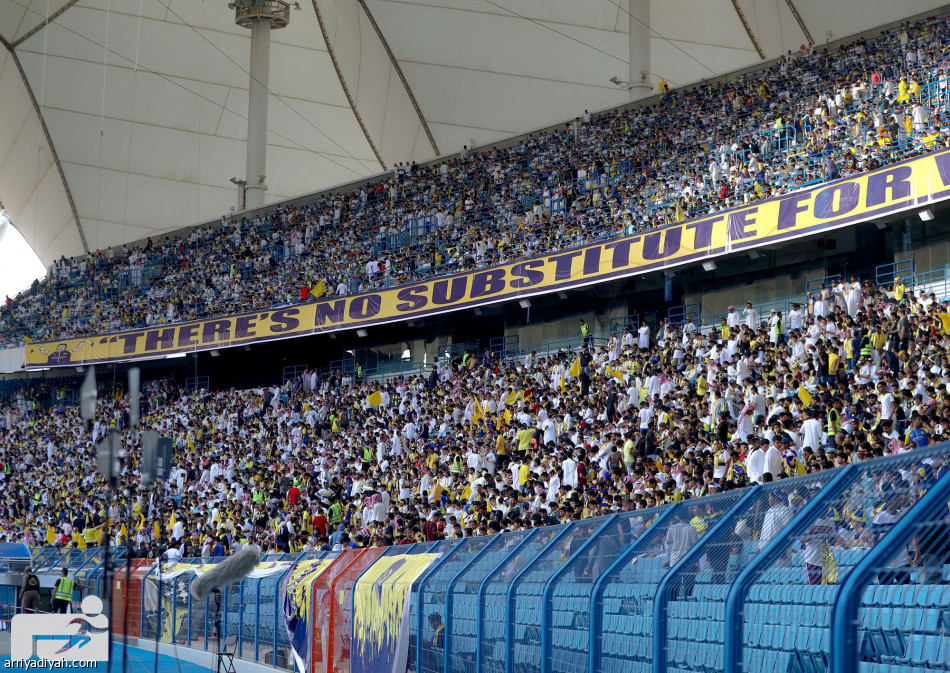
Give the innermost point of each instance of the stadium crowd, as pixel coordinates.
(817, 115)
(478, 445)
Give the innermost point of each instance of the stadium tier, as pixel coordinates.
(815, 117)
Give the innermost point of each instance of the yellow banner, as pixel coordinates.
(380, 610)
(885, 192)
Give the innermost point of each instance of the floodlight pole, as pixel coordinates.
(639, 77)
(260, 16)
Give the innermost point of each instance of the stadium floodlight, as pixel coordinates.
(709, 266)
(926, 214)
(215, 353)
(174, 356)
(617, 81)
(880, 224)
(525, 303)
(562, 295)
(361, 333)
(753, 254)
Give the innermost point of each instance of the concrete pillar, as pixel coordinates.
(257, 114)
(639, 77)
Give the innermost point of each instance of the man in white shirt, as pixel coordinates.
(778, 516)
(751, 316)
(569, 466)
(680, 538)
(811, 431)
(732, 318)
(888, 406)
(773, 459)
(755, 464)
(898, 568)
(796, 317)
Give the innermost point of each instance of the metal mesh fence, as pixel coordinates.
(463, 624)
(432, 590)
(903, 618)
(623, 636)
(692, 616)
(569, 604)
(415, 613)
(525, 610)
(787, 593)
(493, 599)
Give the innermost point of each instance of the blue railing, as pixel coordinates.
(886, 274)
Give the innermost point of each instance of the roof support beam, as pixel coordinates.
(402, 78)
(346, 89)
(49, 141)
(748, 29)
(800, 20)
(52, 17)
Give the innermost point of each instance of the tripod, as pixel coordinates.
(224, 657)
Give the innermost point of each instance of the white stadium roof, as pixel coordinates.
(126, 118)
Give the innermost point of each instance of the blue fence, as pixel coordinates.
(843, 570)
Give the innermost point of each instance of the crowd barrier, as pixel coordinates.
(843, 570)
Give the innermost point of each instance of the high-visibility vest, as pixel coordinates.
(64, 591)
(834, 423)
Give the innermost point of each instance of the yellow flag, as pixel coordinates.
(575, 369)
(512, 398)
(77, 538)
(173, 521)
(507, 416)
(832, 362)
(123, 532)
(318, 290)
(50, 535)
(157, 530)
(613, 372)
(945, 320)
(375, 399)
(804, 396)
(479, 411)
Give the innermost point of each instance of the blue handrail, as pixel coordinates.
(735, 601)
(844, 613)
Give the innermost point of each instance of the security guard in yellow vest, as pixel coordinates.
(586, 335)
(63, 592)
